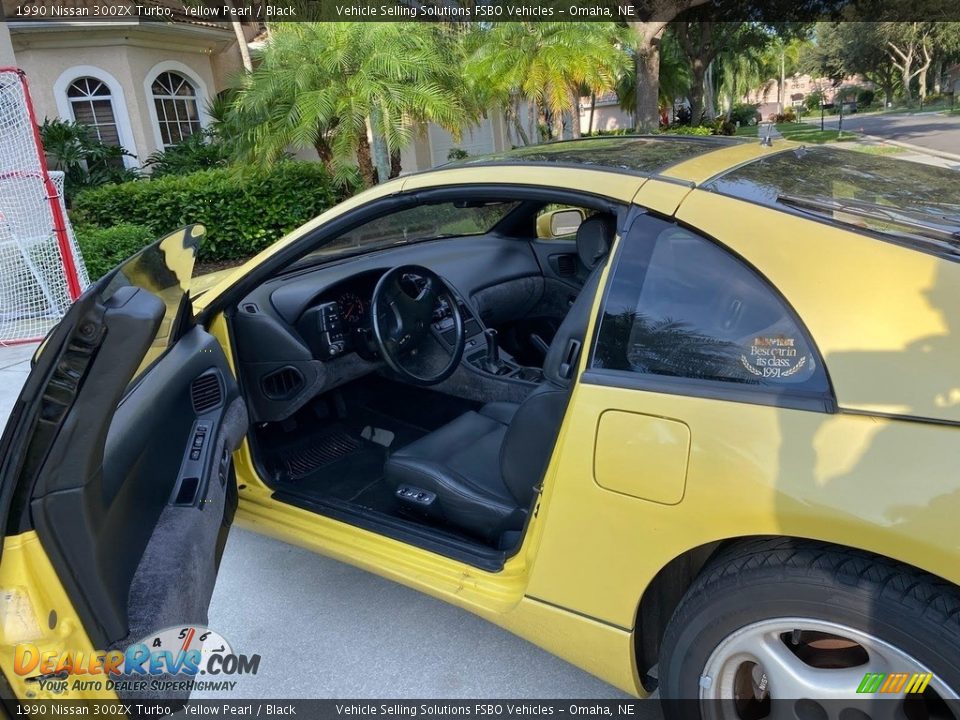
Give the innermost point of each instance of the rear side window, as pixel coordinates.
(683, 307)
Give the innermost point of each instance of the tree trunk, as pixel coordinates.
(555, 123)
(697, 73)
(922, 72)
(593, 108)
(575, 129)
(782, 89)
(938, 77)
(513, 110)
(368, 172)
(905, 66)
(323, 151)
(395, 167)
(242, 46)
(647, 66)
(709, 98)
(906, 78)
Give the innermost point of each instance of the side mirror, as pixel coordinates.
(559, 223)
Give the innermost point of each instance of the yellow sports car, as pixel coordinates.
(683, 411)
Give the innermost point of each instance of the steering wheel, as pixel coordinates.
(402, 310)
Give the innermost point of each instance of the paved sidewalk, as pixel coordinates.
(325, 629)
(14, 368)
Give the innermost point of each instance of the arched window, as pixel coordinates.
(92, 104)
(175, 99)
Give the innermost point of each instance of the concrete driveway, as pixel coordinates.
(933, 131)
(328, 630)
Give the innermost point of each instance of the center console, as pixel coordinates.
(482, 352)
(495, 361)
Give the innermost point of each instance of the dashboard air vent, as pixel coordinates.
(206, 393)
(282, 384)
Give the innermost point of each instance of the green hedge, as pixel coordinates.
(243, 212)
(104, 248)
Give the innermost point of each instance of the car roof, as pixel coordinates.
(913, 204)
(643, 155)
(908, 203)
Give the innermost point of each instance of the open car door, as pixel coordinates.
(116, 482)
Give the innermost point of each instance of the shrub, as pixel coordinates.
(687, 130)
(457, 154)
(74, 149)
(745, 114)
(200, 151)
(723, 126)
(812, 100)
(243, 212)
(865, 97)
(787, 116)
(104, 248)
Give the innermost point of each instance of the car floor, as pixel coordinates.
(335, 449)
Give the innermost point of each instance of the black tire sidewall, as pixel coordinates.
(705, 620)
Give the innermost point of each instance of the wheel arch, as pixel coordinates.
(663, 593)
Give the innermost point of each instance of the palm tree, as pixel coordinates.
(330, 86)
(550, 63)
(739, 72)
(674, 80)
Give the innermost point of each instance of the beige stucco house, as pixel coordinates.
(145, 85)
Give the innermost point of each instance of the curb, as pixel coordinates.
(915, 148)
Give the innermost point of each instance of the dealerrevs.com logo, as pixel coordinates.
(172, 660)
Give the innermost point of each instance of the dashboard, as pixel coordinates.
(309, 331)
(338, 319)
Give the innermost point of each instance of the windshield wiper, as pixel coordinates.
(915, 224)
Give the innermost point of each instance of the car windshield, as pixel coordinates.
(915, 203)
(423, 222)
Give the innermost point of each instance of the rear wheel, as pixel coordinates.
(786, 628)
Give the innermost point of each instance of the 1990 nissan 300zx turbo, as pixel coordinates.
(687, 406)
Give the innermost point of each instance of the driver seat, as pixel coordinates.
(485, 465)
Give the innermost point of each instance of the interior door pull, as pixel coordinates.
(571, 353)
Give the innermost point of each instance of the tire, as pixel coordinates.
(758, 595)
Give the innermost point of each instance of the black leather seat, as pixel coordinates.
(485, 465)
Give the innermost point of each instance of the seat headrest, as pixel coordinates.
(594, 238)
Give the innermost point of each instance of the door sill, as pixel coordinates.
(430, 539)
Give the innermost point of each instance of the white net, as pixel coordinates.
(34, 288)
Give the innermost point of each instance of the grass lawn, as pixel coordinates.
(877, 149)
(801, 132)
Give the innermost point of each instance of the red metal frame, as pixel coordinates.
(59, 221)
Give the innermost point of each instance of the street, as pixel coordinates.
(933, 131)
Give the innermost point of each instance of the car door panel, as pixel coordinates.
(151, 516)
(130, 486)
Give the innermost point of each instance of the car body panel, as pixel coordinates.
(882, 317)
(662, 196)
(39, 613)
(882, 485)
(858, 480)
(701, 168)
(885, 318)
(618, 186)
